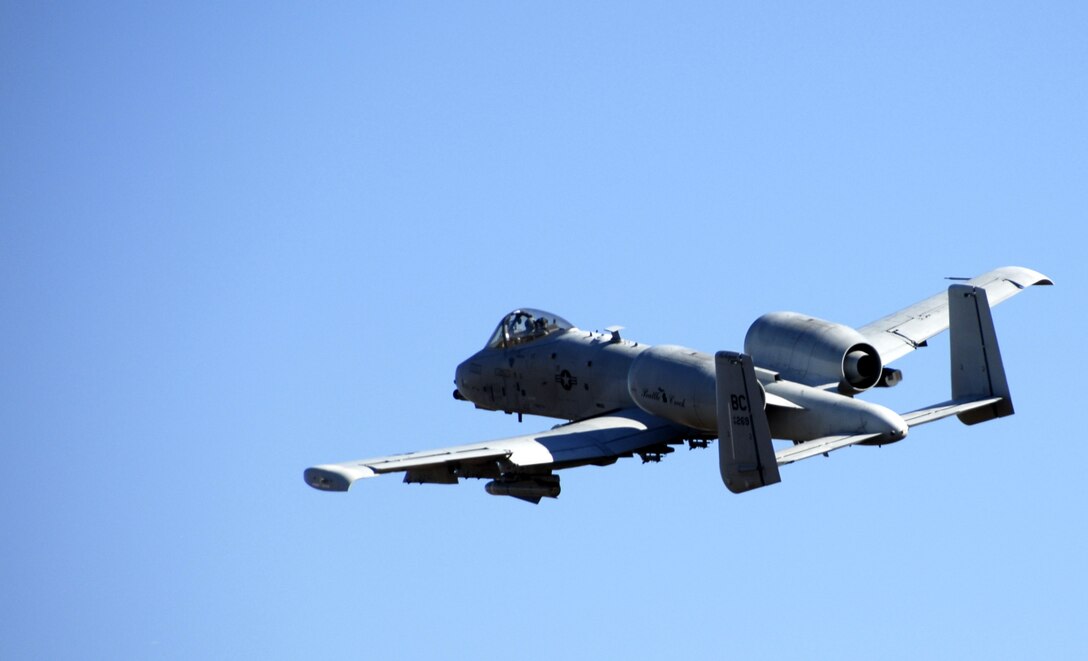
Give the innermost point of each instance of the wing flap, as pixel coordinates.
(608, 436)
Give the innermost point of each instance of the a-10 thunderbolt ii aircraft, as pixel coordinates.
(796, 380)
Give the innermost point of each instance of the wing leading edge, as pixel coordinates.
(599, 440)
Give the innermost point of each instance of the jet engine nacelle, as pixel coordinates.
(813, 351)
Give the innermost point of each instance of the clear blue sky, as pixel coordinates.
(239, 239)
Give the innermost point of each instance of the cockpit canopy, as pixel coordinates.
(526, 325)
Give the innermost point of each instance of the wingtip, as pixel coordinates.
(1023, 277)
(326, 480)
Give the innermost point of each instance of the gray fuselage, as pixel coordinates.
(559, 371)
(571, 374)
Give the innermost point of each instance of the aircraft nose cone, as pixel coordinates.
(458, 380)
(463, 379)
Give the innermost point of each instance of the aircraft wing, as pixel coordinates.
(899, 333)
(602, 439)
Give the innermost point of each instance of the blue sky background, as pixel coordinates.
(239, 239)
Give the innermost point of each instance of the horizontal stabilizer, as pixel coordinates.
(944, 410)
(820, 446)
(913, 419)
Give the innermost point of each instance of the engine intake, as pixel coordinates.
(813, 351)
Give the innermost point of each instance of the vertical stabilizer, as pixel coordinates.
(977, 370)
(745, 453)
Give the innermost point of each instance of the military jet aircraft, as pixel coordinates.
(796, 380)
